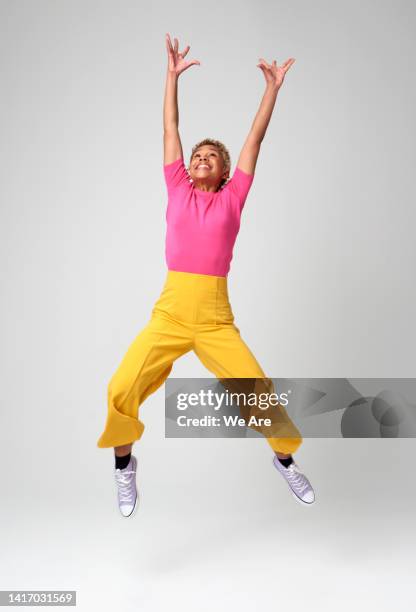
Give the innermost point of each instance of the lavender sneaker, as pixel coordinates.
(300, 486)
(126, 487)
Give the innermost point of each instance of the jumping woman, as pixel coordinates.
(193, 311)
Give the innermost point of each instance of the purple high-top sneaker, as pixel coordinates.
(126, 488)
(299, 485)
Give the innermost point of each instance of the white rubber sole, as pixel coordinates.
(301, 500)
(133, 512)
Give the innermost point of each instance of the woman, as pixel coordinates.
(193, 311)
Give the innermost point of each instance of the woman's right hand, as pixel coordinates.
(176, 61)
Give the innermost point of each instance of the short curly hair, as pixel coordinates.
(223, 152)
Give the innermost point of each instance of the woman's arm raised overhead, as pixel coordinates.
(274, 76)
(176, 65)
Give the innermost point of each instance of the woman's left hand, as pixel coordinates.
(273, 73)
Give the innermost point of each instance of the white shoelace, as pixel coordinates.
(125, 481)
(296, 478)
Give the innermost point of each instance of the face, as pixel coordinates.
(207, 167)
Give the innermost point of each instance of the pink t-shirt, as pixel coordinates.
(202, 226)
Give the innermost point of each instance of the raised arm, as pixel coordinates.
(176, 65)
(274, 76)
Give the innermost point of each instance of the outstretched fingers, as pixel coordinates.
(174, 50)
(287, 64)
(186, 51)
(169, 45)
(264, 63)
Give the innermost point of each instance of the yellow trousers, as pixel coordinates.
(193, 312)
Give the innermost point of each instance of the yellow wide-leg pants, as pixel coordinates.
(193, 312)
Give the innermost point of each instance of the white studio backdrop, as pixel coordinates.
(321, 285)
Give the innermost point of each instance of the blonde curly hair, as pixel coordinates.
(223, 152)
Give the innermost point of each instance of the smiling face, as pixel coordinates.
(207, 169)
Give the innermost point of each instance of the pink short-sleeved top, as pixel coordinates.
(202, 226)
